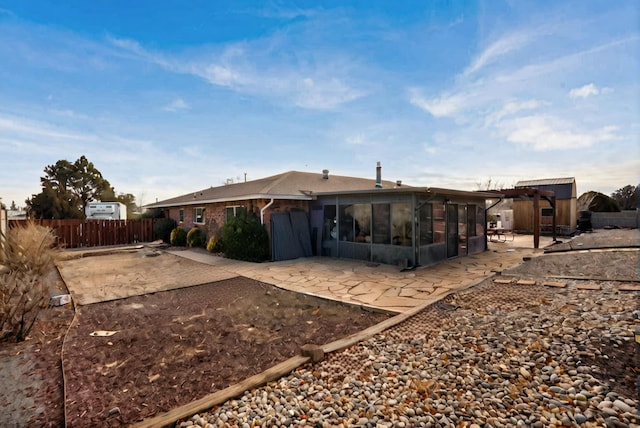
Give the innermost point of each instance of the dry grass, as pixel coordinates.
(25, 259)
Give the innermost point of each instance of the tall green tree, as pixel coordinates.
(88, 184)
(628, 197)
(67, 188)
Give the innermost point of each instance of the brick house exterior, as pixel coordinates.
(284, 192)
(347, 217)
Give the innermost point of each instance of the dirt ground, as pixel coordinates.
(166, 351)
(174, 347)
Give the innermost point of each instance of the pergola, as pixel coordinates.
(536, 194)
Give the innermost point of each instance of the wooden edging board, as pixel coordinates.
(207, 402)
(219, 397)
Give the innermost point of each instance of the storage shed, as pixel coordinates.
(566, 206)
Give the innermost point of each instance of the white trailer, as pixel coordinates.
(106, 211)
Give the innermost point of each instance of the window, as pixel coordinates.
(234, 211)
(480, 220)
(355, 223)
(330, 231)
(198, 215)
(547, 212)
(439, 225)
(181, 215)
(471, 220)
(401, 224)
(426, 224)
(380, 222)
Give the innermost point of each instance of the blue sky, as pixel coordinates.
(169, 97)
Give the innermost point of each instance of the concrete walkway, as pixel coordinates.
(377, 286)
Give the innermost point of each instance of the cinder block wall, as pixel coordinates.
(624, 219)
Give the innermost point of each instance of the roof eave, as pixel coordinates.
(435, 191)
(232, 199)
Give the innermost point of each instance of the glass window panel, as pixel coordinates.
(355, 223)
(439, 225)
(234, 211)
(480, 220)
(362, 219)
(426, 224)
(380, 221)
(346, 227)
(471, 220)
(197, 215)
(401, 224)
(330, 229)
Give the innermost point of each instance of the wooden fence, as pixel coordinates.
(74, 233)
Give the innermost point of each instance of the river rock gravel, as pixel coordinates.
(499, 355)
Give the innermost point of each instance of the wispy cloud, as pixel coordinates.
(356, 140)
(584, 91)
(441, 106)
(308, 81)
(13, 125)
(177, 104)
(512, 107)
(520, 99)
(501, 47)
(542, 133)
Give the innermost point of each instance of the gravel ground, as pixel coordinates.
(497, 355)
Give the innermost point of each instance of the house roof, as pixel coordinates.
(288, 185)
(546, 182)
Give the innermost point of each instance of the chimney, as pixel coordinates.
(325, 174)
(398, 183)
(378, 175)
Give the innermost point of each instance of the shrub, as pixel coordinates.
(212, 245)
(179, 237)
(196, 237)
(244, 238)
(154, 213)
(27, 258)
(162, 229)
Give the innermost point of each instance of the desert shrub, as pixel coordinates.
(162, 229)
(27, 257)
(178, 237)
(244, 238)
(196, 237)
(29, 248)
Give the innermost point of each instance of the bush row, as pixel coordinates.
(242, 237)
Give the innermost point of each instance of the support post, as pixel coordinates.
(553, 206)
(536, 220)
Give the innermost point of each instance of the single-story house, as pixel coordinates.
(566, 206)
(346, 217)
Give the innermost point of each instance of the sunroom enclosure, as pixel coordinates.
(400, 228)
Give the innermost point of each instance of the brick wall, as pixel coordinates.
(214, 214)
